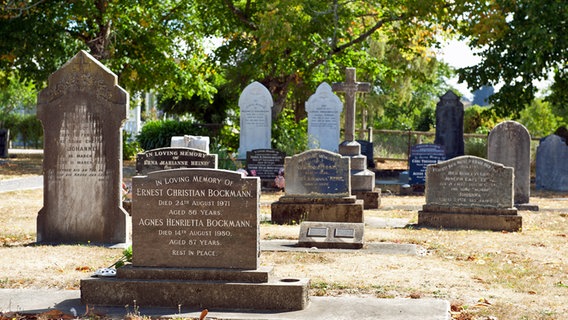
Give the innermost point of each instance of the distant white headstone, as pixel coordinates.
(194, 142)
(255, 104)
(324, 109)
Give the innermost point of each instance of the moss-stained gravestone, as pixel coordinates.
(82, 110)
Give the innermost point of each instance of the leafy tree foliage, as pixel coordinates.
(149, 44)
(520, 41)
(539, 118)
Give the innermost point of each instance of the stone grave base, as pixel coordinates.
(371, 199)
(470, 218)
(204, 288)
(336, 235)
(527, 206)
(290, 210)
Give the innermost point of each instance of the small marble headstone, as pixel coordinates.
(174, 158)
(551, 164)
(82, 110)
(255, 104)
(318, 173)
(193, 142)
(449, 125)
(509, 143)
(422, 155)
(324, 109)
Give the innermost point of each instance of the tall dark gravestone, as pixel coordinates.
(82, 110)
(449, 125)
(4, 142)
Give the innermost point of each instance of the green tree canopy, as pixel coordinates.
(520, 41)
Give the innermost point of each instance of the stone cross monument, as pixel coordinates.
(362, 179)
(350, 87)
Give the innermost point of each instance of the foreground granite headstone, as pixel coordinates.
(324, 109)
(255, 104)
(173, 158)
(468, 192)
(82, 110)
(318, 189)
(551, 164)
(449, 125)
(509, 143)
(195, 242)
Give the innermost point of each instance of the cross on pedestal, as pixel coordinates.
(350, 87)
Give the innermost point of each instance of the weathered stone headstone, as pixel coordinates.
(255, 104)
(195, 242)
(422, 155)
(362, 179)
(509, 143)
(551, 164)
(449, 125)
(318, 189)
(324, 109)
(265, 164)
(4, 142)
(173, 158)
(82, 110)
(470, 193)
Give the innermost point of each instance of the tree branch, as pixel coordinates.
(241, 15)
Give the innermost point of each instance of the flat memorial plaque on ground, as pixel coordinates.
(195, 218)
(174, 158)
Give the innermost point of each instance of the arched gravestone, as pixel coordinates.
(551, 164)
(324, 109)
(509, 143)
(449, 125)
(82, 110)
(255, 104)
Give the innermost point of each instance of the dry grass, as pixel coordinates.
(484, 274)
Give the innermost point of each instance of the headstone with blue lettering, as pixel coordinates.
(422, 155)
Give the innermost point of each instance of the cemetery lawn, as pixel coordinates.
(484, 274)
